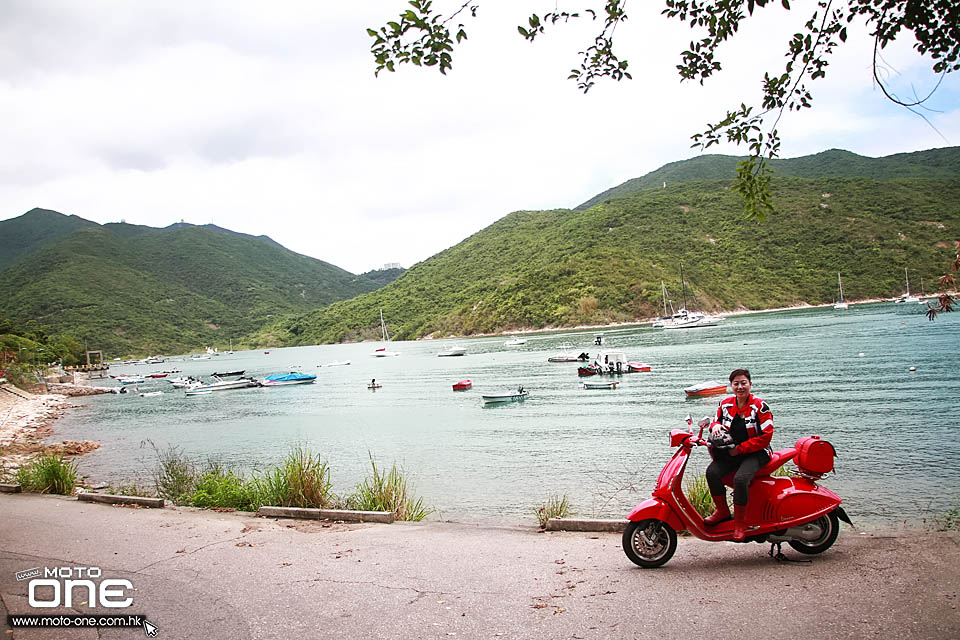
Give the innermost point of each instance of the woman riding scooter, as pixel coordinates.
(741, 433)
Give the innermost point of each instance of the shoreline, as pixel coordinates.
(27, 421)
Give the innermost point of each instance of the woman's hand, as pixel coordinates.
(715, 431)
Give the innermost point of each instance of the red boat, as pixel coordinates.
(712, 388)
(589, 370)
(156, 375)
(637, 367)
(463, 385)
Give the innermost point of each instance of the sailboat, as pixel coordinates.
(841, 303)
(906, 297)
(667, 315)
(382, 351)
(685, 319)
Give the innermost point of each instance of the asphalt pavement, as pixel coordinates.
(203, 574)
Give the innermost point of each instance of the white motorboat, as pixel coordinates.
(569, 354)
(511, 396)
(515, 342)
(452, 351)
(337, 363)
(600, 385)
(223, 385)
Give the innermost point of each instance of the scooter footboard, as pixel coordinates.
(657, 509)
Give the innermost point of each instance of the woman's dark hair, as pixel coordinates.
(740, 372)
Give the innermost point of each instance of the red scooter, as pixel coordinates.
(792, 509)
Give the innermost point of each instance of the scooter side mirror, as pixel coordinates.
(679, 436)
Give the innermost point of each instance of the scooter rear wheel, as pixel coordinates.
(649, 543)
(830, 527)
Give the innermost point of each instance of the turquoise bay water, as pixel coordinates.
(842, 375)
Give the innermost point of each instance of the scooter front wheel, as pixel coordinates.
(649, 543)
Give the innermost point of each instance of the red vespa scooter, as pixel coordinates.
(792, 509)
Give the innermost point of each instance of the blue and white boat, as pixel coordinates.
(282, 379)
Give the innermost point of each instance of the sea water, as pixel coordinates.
(843, 375)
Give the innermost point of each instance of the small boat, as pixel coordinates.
(463, 385)
(452, 351)
(223, 385)
(685, 319)
(285, 379)
(199, 392)
(637, 367)
(228, 374)
(132, 380)
(337, 363)
(200, 357)
(569, 354)
(907, 297)
(512, 396)
(374, 385)
(711, 388)
(600, 385)
(515, 342)
(157, 375)
(589, 370)
(150, 394)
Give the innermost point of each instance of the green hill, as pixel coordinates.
(133, 289)
(930, 164)
(605, 264)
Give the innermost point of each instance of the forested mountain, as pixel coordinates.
(135, 289)
(930, 164)
(534, 269)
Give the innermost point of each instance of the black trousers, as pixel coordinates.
(746, 467)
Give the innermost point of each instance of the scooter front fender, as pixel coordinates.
(656, 509)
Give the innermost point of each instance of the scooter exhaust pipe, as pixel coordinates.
(808, 532)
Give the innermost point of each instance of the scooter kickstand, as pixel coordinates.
(779, 557)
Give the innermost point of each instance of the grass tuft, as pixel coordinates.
(388, 492)
(303, 480)
(554, 507)
(698, 493)
(49, 473)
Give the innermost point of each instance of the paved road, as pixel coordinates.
(230, 575)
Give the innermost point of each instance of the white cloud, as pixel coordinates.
(267, 119)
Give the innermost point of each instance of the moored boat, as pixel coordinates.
(515, 342)
(710, 388)
(223, 385)
(589, 370)
(452, 351)
(228, 374)
(463, 385)
(637, 367)
(612, 384)
(569, 354)
(511, 396)
(285, 379)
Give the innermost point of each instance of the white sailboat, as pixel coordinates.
(841, 303)
(667, 315)
(906, 297)
(382, 352)
(685, 319)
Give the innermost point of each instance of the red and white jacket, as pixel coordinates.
(757, 416)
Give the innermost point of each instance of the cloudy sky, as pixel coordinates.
(266, 117)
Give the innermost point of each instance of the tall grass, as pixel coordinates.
(554, 507)
(303, 480)
(388, 492)
(698, 493)
(49, 473)
(175, 477)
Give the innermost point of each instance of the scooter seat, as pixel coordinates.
(777, 460)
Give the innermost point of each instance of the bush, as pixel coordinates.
(50, 473)
(222, 489)
(175, 476)
(388, 492)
